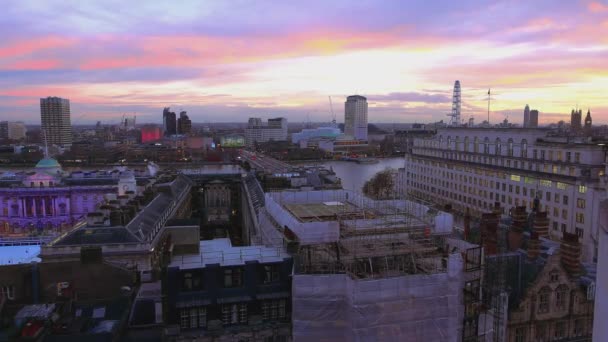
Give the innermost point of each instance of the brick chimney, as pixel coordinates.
(516, 231)
(541, 224)
(489, 232)
(570, 252)
(533, 246)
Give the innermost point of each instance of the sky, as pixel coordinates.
(227, 60)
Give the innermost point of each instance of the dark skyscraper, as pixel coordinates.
(533, 119)
(184, 124)
(55, 120)
(526, 122)
(169, 122)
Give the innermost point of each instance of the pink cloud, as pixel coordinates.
(30, 46)
(597, 7)
(33, 65)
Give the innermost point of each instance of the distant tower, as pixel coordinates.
(526, 116)
(575, 120)
(55, 120)
(588, 122)
(456, 103)
(533, 119)
(355, 117)
(169, 122)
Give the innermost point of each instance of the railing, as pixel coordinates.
(25, 241)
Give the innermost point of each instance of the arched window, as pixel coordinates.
(524, 148)
(476, 145)
(561, 297)
(449, 142)
(510, 148)
(544, 296)
(457, 143)
(466, 144)
(498, 147)
(486, 145)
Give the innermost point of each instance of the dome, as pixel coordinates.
(47, 163)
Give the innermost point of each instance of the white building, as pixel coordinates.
(355, 117)
(12, 130)
(475, 167)
(257, 132)
(313, 133)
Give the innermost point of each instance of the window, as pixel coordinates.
(535, 154)
(556, 198)
(541, 332)
(498, 148)
(524, 148)
(8, 292)
(273, 309)
(580, 203)
(520, 334)
(234, 313)
(578, 327)
(560, 330)
(580, 218)
(510, 148)
(579, 232)
(563, 227)
(565, 199)
(543, 300)
(542, 154)
(188, 281)
(564, 214)
(568, 156)
(561, 297)
(554, 276)
(233, 277)
(577, 157)
(271, 273)
(195, 317)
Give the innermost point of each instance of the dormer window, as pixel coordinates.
(554, 276)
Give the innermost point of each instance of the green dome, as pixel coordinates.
(47, 163)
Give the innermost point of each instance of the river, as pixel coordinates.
(354, 175)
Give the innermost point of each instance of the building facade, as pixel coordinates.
(533, 122)
(242, 292)
(470, 169)
(355, 117)
(526, 117)
(257, 132)
(12, 130)
(55, 120)
(48, 199)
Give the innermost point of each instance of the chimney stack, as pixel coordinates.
(489, 232)
(516, 231)
(570, 253)
(533, 246)
(541, 224)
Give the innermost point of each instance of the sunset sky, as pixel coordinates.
(227, 60)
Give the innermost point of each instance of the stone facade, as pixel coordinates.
(554, 307)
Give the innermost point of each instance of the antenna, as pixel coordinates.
(333, 116)
(488, 106)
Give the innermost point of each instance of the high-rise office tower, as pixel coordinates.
(526, 116)
(533, 119)
(169, 122)
(184, 124)
(355, 117)
(55, 119)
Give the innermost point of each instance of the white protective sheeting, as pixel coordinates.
(421, 307)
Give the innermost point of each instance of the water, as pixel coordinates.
(354, 175)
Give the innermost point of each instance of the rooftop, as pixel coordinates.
(221, 251)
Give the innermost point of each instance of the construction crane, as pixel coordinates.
(333, 116)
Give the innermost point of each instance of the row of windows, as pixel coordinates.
(232, 314)
(231, 277)
(498, 148)
(546, 331)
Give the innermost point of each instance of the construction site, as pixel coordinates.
(381, 270)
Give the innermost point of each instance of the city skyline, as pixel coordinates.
(216, 61)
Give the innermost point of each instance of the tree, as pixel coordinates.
(381, 186)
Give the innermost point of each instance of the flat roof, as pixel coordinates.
(12, 255)
(324, 211)
(221, 251)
